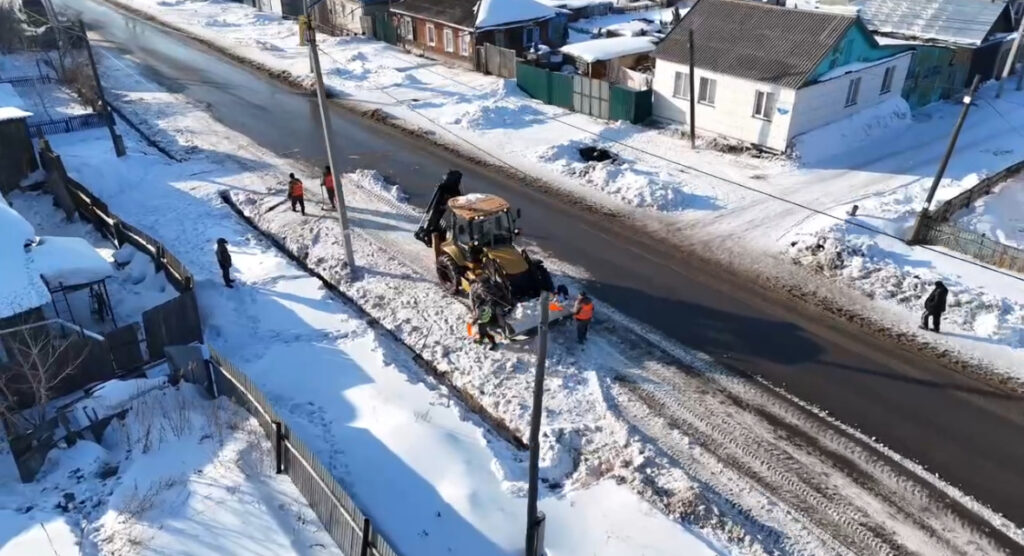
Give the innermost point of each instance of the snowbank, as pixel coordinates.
(839, 137)
(608, 49)
(999, 215)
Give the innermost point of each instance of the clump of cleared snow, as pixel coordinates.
(500, 107)
(840, 136)
(372, 180)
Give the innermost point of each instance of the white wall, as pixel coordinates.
(824, 103)
(732, 116)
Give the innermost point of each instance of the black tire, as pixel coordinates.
(542, 277)
(449, 274)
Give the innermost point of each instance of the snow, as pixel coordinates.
(70, 261)
(608, 49)
(858, 66)
(20, 287)
(999, 215)
(634, 28)
(866, 125)
(180, 475)
(11, 104)
(623, 24)
(498, 13)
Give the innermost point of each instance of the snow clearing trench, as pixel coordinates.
(600, 422)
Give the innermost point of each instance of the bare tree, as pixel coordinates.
(39, 360)
(79, 77)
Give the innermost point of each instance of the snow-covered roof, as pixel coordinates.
(965, 22)
(608, 49)
(573, 4)
(634, 28)
(70, 261)
(500, 13)
(11, 104)
(21, 289)
(858, 66)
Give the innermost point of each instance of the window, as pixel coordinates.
(682, 88)
(449, 41)
(431, 35)
(853, 91)
(407, 29)
(764, 105)
(706, 94)
(464, 43)
(531, 35)
(887, 79)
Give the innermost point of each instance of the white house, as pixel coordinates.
(765, 74)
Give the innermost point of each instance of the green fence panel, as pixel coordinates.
(643, 108)
(629, 105)
(561, 90)
(534, 81)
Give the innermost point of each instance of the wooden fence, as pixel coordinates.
(973, 244)
(946, 210)
(343, 520)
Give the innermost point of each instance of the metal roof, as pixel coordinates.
(460, 13)
(755, 41)
(966, 22)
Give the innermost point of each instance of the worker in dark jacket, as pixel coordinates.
(934, 306)
(295, 193)
(329, 184)
(224, 262)
(583, 312)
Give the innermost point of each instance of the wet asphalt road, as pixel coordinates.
(968, 433)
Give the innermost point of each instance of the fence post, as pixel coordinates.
(278, 448)
(367, 543)
(159, 262)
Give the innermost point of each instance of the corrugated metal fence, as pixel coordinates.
(594, 97)
(342, 519)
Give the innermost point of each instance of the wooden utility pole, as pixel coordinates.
(321, 97)
(945, 158)
(108, 116)
(1011, 60)
(693, 98)
(534, 521)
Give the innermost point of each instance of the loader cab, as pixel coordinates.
(480, 222)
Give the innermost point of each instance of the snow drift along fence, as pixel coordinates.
(343, 520)
(946, 210)
(972, 244)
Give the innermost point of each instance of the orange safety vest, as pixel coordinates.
(586, 311)
(329, 182)
(295, 188)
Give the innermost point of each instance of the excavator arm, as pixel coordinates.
(447, 190)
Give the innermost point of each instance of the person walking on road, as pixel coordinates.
(328, 181)
(224, 262)
(934, 306)
(583, 312)
(295, 193)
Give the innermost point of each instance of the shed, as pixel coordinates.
(17, 157)
(603, 58)
(70, 264)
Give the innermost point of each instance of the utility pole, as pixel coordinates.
(1011, 60)
(945, 159)
(535, 520)
(693, 98)
(114, 137)
(321, 97)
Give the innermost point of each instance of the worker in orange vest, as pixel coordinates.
(583, 312)
(295, 193)
(329, 184)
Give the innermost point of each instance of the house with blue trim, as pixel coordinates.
(765, 74)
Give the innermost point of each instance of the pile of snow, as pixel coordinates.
(181, 474)
(68, 260)
(858, 129)
(999, 215)
(608, 49)
(497, 13)
(502, 107)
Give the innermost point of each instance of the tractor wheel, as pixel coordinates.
(542, 278)
(449, 274)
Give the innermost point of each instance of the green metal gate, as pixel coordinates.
(384, 29)
(584, 95)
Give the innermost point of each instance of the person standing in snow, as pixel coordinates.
(295, 193)
(224, 262)
(483, 318)
(934, 306)
(583, 312)
(328, 181)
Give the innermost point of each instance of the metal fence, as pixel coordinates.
(496, 61)
(973, 244)
(585, 95)
(347, 525)
(41, 79)
(68, 125)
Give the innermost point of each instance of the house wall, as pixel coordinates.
(732, 116)
(824, 102)
(418, 41)
(933, 76)
(346, 15)
(857, 46)
(552, 33)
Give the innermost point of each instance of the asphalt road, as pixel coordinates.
(968, 433)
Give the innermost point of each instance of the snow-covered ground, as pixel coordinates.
(432, 477)
(181, 474)
(757, 206)
(999, 215)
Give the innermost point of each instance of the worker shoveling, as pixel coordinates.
(472, 238)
